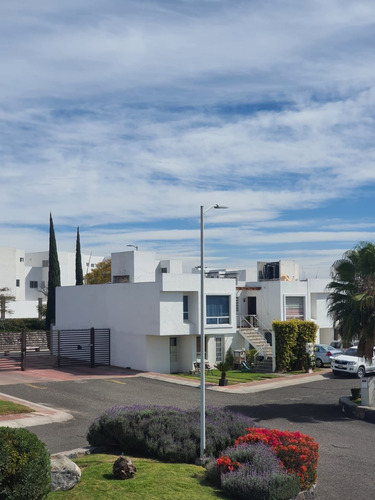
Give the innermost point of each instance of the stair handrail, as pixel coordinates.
(255, 323)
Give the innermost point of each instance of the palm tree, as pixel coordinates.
(351, 301)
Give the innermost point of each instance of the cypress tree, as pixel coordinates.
(79, 271)
(53, 276)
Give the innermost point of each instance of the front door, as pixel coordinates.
(251, 306)
(252, 310)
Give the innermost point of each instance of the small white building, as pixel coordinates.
(25, 274)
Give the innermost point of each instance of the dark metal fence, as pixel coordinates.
(10, 351)
(89, 347)
(37, 350)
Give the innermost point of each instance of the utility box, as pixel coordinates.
(368, 391)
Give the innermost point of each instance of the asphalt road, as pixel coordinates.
(347, 447)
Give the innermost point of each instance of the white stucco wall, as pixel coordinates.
(272, 296)
(131, 311)
(24, 309)
(139, 266)
(12, 268)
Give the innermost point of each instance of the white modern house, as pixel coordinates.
(25, 274)
(279, 294)
(152, 309)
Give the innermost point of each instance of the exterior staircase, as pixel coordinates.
(257, 339)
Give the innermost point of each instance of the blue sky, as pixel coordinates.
(124, 117)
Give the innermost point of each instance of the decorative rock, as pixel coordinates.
(123, 468)
(64, 473)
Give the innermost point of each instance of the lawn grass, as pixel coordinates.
(153, 481)
(233, 376)
(10, 408)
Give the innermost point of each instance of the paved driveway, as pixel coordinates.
(347, 447)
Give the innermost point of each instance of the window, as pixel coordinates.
(33, 284)
(18, 283)
(186, 307)
(45, 263)
(219, 349)
(121, 279)
(164, 270)
(22, 259)
(217, 309)
(294, 308)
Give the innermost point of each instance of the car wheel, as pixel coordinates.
(361, 372)
(319, 363)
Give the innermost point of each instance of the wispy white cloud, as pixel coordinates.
(129, 116)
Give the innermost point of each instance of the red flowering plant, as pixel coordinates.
(297, 452)
(225, 464)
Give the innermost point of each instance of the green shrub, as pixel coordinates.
(22, 324)
(252, 471)
(244, 483)
(250, 355)
(25, 469)
(306, 332)
(291, 338)
(165, 433)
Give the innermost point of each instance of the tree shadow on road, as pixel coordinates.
(293, 412)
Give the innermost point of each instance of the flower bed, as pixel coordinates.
(252, 470)
(297, 452)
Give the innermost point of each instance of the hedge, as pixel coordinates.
(291, 338)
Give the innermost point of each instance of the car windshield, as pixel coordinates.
(325, 347)
(351, 352)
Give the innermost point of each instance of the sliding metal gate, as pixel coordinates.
(38, 350)
(89, 347)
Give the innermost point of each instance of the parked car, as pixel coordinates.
(336, 344)
(323, 354)
(350, 363)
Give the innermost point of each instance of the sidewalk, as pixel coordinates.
(245, 388)
(40, 416)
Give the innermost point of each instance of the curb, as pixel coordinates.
(40, 416)
(244, 388)
(352, 410)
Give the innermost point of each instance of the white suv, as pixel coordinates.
(349, 362)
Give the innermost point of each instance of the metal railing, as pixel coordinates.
(253, 322)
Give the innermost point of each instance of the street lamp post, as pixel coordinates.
(202, 337)
(134, 246)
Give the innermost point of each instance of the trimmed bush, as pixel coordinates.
(165, 433)
(25, 468)
(291, 338)
(252, 471)
(246, 483)
(297, 452)
(22, 324)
